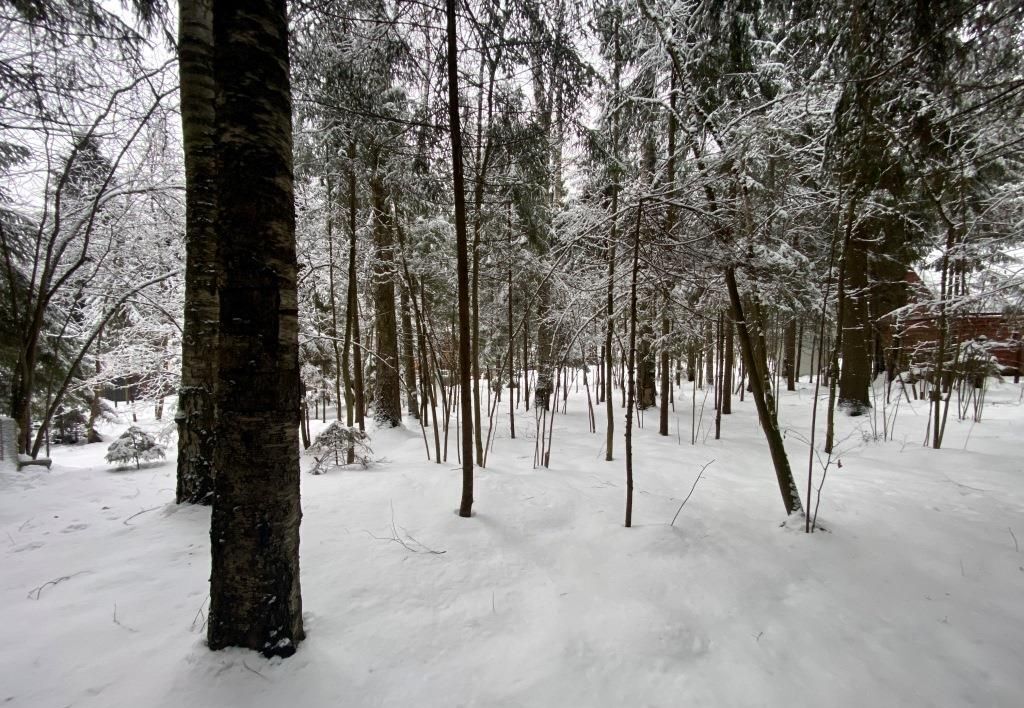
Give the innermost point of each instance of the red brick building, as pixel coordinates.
(912, 337)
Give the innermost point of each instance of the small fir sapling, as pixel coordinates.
(134, 444)
(335, 442)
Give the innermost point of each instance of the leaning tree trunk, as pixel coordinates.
(195, 415)
(255, 600)
(761, 393)
(387, 397)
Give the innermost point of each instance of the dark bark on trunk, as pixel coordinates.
(665, 382)
(462, 265)
(645, 367)
(526, 359)
(799, 350)
(855, 377)
(352, 302)
(255, 599)
(408, 354)
(387, 398)
(720, 358)
(609, 358)
(730, 360)
(709, 354)
(195, 415)
(96, 405)
(545, 355)
(511, 356)
(338, 375)
(790, 359)
(631, 393)
(475, 349)
(670, 226)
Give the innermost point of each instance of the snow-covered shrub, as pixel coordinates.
(134, 444)
(335, 442)
(68, 426)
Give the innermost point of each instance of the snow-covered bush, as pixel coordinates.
(336, 442)
(134, 444)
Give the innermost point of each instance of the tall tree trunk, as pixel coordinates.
(255, 599)
(387, 397)
(609, 359)
(96, 402)
(609, 331)
(462, 264)
(855, 377)
(670, 227)
(408, 354)
(666, 385)
(545, 355)
(631, 393)
(338, 374)
(645, 364)
(709, 353)
(352, 302)
(730, 358)
(760, 389)
(790, 358)
(195, 415)
(511, 353)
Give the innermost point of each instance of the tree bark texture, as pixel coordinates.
(646, 373)
(855, 376)
(462, 263)
(545, 354)
(387, 397)
(727, 366)
(409, 357)
(352, 302)
(195, 415)
(255, 600)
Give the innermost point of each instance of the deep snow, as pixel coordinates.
(912, 597)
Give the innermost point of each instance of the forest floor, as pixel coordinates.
(910, 595)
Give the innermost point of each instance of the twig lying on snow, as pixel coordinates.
(118, 623)
(199, 614)
(254, 671)
(35, 593)
(1015, 544)
(690, 494)
(396, 538)
(125, 522)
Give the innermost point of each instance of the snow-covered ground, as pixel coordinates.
(913, 596)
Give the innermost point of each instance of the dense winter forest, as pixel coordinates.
(659, 264)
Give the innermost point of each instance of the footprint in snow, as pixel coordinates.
(33, 545)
